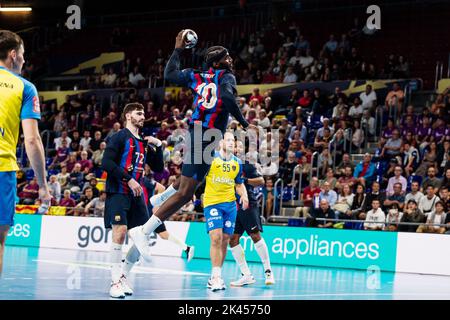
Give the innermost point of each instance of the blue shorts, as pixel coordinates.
(216, 214)
(8, 182)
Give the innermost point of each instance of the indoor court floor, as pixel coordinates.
(56, 274)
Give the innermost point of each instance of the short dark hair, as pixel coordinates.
(130, 107)
(9, 41)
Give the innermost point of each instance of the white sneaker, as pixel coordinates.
(269, 277)
(189, 253)
(217, 284)
(243, 281)
(116, 291)
(126, 286)
(141, 241)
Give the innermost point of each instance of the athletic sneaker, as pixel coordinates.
(141, 241)
(189, 253)
(116, 291)
(126, 286)
(269, 277)
(243, 281)
(216, 284)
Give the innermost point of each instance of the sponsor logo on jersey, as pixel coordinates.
(6, 85)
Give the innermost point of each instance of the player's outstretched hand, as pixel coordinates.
(135, 187)
(153, 140)
(244, 203)
(179, 41)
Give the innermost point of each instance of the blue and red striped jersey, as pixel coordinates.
(129, 154)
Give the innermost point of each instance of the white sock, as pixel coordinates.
(216, 272)
(151, 224)
(131, 258)
(263, 253)
(239, 256)
(160, 198)
(116, 260)
(178, 242)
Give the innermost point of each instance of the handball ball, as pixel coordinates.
(190, 38)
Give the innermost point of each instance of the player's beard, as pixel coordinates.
(138, 124)
(227, 66)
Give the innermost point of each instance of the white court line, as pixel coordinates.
(257, 297)
(107, 266)
(171, 290)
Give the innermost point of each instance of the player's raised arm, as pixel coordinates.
(172, 72)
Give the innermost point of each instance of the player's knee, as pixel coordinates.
(216, 239)
(256, 236)
(234, 240)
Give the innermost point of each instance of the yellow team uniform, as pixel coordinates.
(219, 199)
(18, 101)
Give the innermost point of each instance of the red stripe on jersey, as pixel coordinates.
(140, 169)
(218, 106)
(128, 163)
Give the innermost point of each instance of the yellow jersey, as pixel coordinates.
(18, 101)
(221, 179)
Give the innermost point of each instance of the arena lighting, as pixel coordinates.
(15, 9)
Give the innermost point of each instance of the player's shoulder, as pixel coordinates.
(28, 85)
(117, 137)
(239, 161)
(226, 76)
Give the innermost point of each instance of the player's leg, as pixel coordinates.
(3, 234)
(118, 238)
(239, 256)
(128, 263)
(159, 198)
(238, 252)
(216, 253)
(169, 207)
(165, 235)
(214, 227)
(263, 253)
(116, 208)
(7, 208)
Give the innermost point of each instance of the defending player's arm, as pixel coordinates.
(110, 165)
(33, 143)
(172, 72)
(242, 192)
(252, 177)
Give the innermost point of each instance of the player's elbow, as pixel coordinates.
(32, 143)
(170, 75)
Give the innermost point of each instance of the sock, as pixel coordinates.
(116, 260)
(239, 256)
(151, 224)
(131, 258)
(216, 272)
(178, 242)
(160, 198)
(263, 253)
